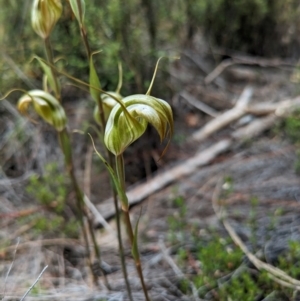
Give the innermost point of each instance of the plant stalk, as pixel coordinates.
(125, 210)
(103, 123)
(119, 234)
(49, 56)
(66, 149)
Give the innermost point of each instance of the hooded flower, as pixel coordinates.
(128, 122)
(108, 104)
(46, 106)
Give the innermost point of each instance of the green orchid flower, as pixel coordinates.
(46, 106)
(129, 120)
(108, 102)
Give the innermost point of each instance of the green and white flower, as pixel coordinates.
(128, 122)
(46, 106)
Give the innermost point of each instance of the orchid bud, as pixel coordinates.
(127, 122)
(108, 102)
(44, 15)
(46, 106)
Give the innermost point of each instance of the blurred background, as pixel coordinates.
(138, 32)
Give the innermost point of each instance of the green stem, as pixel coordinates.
(83, 32)
(119, 234)
(49, 56)
(125, 210)
(66, 149)
(103, 123)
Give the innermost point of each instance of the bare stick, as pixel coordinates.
(199, 104)
(226, 118)
(218, 70)
(10, 267)
(34, 283)
(176, 269)
(100, 219)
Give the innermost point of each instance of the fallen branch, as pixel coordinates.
(226, 118)
(199, 104)
(176, 269)
(218, 70)
(35, 282)
(244, 60)
(43, 242)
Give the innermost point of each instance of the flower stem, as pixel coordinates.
(125, 210)
(119, 234)
(49, 56)
(66, 149)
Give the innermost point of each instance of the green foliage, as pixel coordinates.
(257, 26)
(218, 258)
(141, 31)
(290, 127)
(50, 189)
(221, 273)
(177, 222)
(290, 261)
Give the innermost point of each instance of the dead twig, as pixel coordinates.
(226, 118)
(34, 283)
(10, 267)
(98, 216)
(276, 274)
(43, 242)
(218, 70)
(176, 269)
(199, 104)
(244, 60)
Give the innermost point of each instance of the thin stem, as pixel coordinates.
(119, 234)
(103, 123)
(49, 56)
(125, 210)
(97, 249)
(66, 149)
(83, 32)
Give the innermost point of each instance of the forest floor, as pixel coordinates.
(234, 167)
